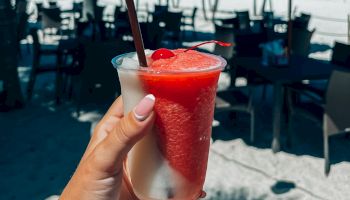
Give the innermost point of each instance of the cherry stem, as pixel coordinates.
(224, 44)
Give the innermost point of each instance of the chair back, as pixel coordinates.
(194, 12)
(341, 54)
(248, 43)
(301, 39)
(172, 21)
(51, 18)
(160, 8)
(99, 13)
(225, 34)
(268, 19)
(337, 107)
(243, 20)
(99, 78)
(152, 35)
(78, 8)
(39, 7)
(36, 43)
(302, 21)
(22, 26)
(36, 47)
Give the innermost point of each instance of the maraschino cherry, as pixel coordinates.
(162, 53)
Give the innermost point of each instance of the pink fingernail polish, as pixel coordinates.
(144, 107)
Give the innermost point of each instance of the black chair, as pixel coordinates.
(243, 20)
(301, 40)
(62, 65)
(37, 67)
(51, 20)
(160, 8)
(78, 9)
(302, 21)
(39, 8)
(224, 33)
(189, 21)
(341, 54)
(268, 20)
(152, 35)
(172, 29)
(121, 23)
(333, 112)
(340, 57)
(22, 30)
(98, 81)
(247, 44)
(237, 99)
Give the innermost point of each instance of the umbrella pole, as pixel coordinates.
(254, 7)
(290, 27)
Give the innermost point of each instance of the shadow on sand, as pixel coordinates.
(40, 150)
(307, 135)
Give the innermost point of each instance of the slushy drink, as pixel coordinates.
(171, 161)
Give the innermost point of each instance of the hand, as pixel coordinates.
(100, 171)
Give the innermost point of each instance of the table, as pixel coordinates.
(299, 68)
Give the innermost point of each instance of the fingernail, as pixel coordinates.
(144, 107)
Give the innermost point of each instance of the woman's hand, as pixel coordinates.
(100, 171)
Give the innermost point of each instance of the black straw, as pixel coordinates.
(135, 29)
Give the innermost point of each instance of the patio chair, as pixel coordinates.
(51, 19)
(58, 67)
(172, 29)
(243, 20)
(268, 20)
(224, 33)
(121, 23)
(98, 81)
(301, 39)
(37, 67)
(189, 21)
(247, 44)
(341, 58)
(22, 30)
(78, 8)
(302, 21)
(152, 35)
(160, 8)
(334, 114)
(237, 99)
(341, 54)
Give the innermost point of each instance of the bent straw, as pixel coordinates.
(136, 33)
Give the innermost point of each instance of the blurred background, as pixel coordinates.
(282, 112)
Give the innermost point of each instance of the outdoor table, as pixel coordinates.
(299, 68)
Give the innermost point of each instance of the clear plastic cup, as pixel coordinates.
(170, 162)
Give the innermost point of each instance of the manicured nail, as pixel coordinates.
(144, 107)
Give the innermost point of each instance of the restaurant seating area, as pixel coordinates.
(281, 126)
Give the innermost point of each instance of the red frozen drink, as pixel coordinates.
(171, 162)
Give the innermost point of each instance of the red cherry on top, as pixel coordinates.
(162, 53)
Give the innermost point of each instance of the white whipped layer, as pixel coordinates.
(133, 61)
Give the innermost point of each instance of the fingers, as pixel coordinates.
(109, 154)
(116, 109)
(107, 124)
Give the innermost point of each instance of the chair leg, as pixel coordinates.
(252, 126)
(263, 95)
(327, 166)
(290, 131)
(31, 83)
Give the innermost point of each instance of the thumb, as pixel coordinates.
(108, 156)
